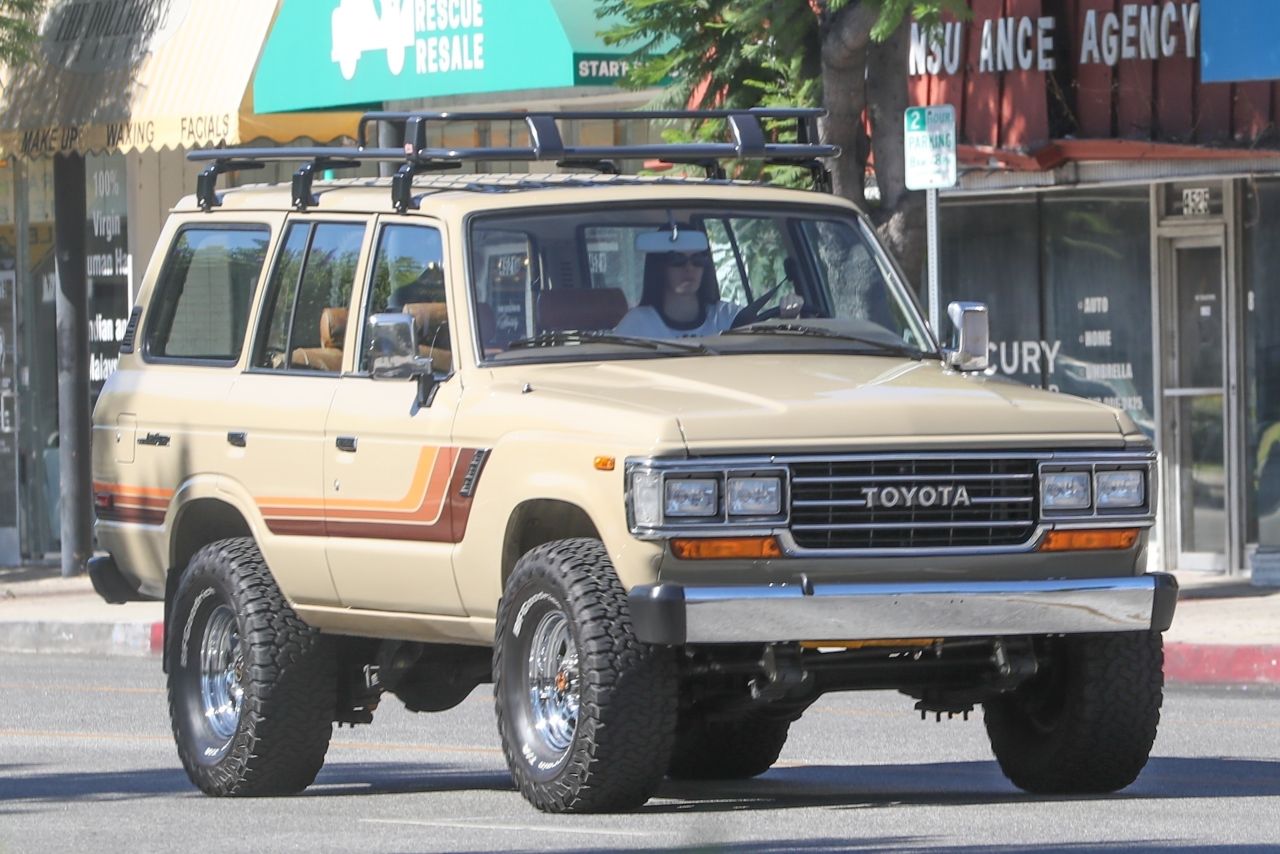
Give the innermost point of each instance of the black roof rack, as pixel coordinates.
(749, 142)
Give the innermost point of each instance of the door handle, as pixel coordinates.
(237, 438)
(160, 440)
(346, 443)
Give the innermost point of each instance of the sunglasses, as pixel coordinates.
(680, 259)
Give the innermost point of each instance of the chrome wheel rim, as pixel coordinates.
(554, 684)
(221, 672)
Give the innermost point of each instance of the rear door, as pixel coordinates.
(394, 498)
(165, 416)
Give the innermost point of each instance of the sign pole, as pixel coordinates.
(930, 143)
(935, 288)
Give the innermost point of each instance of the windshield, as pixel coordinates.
(594, 283)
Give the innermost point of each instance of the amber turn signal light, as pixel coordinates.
(726, 548)
(604, 463)
(1080, 541)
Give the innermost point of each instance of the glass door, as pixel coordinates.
(1198, 487)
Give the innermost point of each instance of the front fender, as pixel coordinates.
(535, 468)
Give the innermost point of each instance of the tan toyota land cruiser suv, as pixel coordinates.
(665, 459)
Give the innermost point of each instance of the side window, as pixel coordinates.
(201, 305)
(760, 249)
(408, 277)
(304, 322)
(858, 286)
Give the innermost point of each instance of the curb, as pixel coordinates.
(1184, 663)
(114, 639)
(1221, 664)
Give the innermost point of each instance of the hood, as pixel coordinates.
(762, 402)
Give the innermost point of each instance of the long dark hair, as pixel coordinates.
(655, 281)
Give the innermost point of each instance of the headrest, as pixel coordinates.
(333, 327)
(580, 308)
(429, 317)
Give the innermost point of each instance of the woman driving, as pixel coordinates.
(680, 298)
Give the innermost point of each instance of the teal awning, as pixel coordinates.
(328, 53)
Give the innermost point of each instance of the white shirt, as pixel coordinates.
(644, 321)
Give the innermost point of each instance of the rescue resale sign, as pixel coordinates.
(931, 147)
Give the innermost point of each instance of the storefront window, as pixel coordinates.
(991, 253)
(1262, 363)
(108, 264)
(1097, 278)
(38, 407)
(1067, 279)
(8, 374)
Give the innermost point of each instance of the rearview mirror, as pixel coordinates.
(674, 239)
(973, 332)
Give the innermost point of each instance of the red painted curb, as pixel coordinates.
(1221, 664)
(157, 637)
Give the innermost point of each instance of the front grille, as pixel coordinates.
(841, 504)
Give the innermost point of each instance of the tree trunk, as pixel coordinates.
(845, 40)
(900, 218)
(860, 76)
(72, 308)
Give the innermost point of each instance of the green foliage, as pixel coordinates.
(928, 13)
(742, 53)
(19, 29)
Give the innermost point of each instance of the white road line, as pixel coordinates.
(517, 827)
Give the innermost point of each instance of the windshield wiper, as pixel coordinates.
(555, 338)
(818, 332)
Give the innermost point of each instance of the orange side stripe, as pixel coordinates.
(281, 505)
(428, 510)
(133, 491)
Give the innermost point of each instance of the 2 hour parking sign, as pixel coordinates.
(931, 147)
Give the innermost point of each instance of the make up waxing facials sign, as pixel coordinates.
(1142, 31)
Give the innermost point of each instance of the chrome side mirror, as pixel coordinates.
(392, 345)
(973, 333)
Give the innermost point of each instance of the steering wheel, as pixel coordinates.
(755, 310)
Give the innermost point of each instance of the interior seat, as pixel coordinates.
(328, 356)
(580, 309)
(432, 320)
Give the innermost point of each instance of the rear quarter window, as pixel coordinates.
(201, 305)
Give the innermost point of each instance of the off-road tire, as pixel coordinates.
(626, 690)
(286, 676)
(727, 749)
(1085, 723)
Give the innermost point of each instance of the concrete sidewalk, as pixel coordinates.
(1224, 631)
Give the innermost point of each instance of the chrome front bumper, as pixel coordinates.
(677, 614)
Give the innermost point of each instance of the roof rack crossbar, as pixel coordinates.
(750, 141)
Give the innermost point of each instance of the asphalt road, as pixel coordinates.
(87, 764)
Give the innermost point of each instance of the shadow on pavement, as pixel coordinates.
(337, 779)
(918, 843)
(380, 778)
(955, 784)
